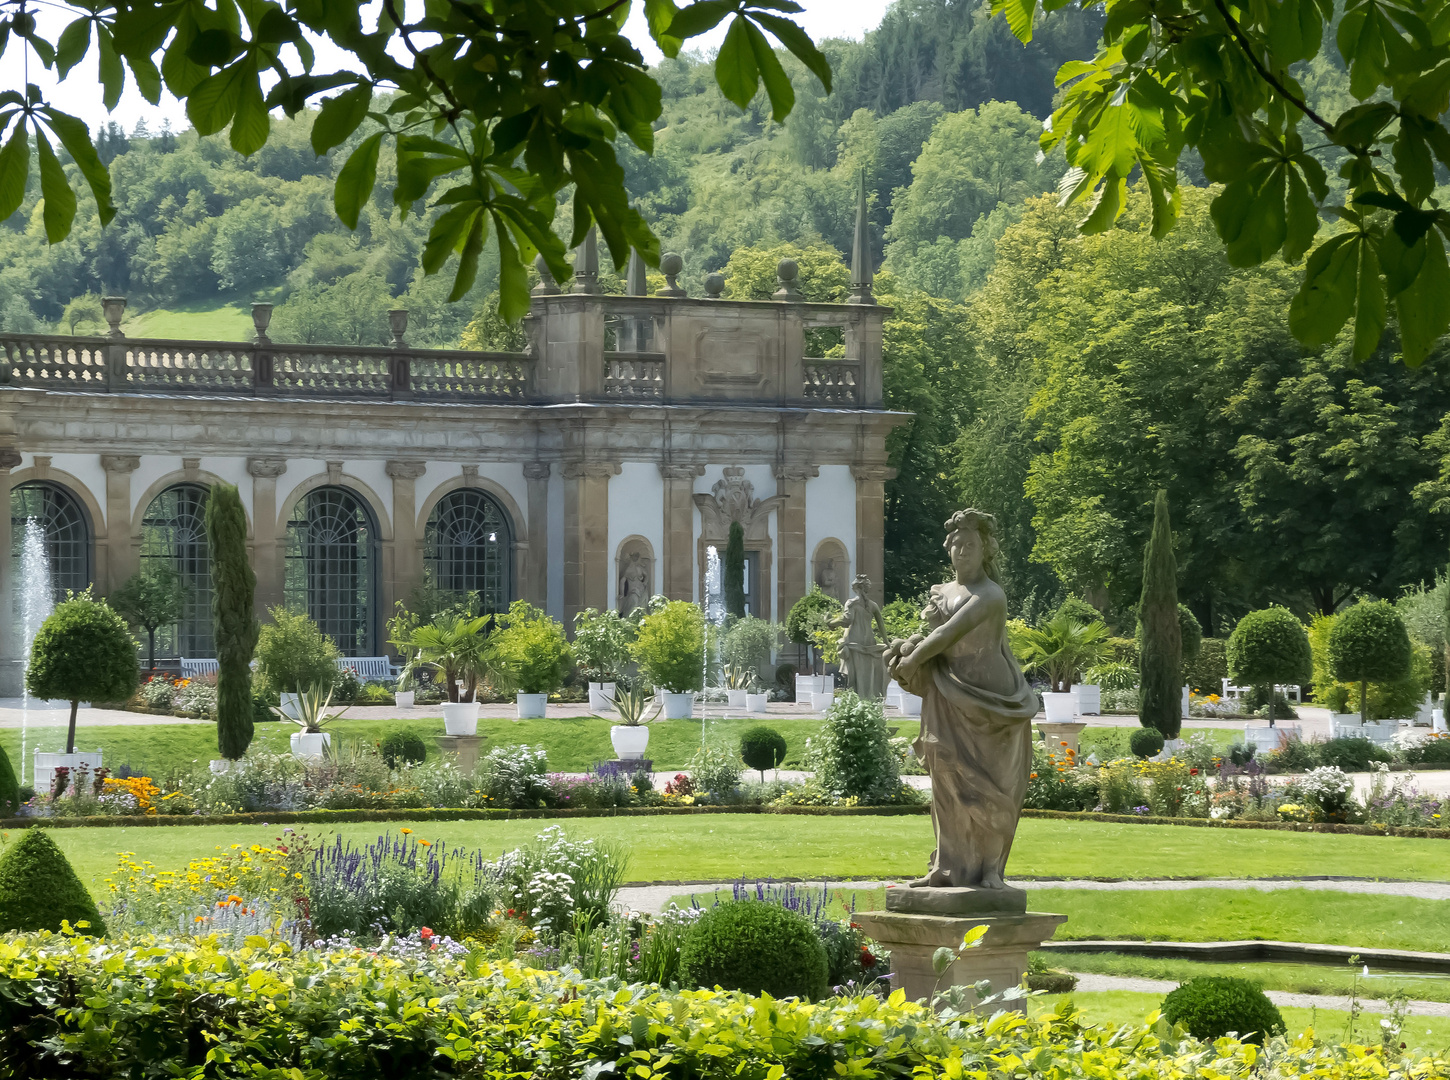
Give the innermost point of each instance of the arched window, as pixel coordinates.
(67, 534)
(467, 547)
(173, 535)
(332, 566)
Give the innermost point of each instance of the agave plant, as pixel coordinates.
(312, 715)
(1062, 648)
(739, 677)
(632, 703)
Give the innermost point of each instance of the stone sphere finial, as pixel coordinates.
(785, 272)
(671, 265)
(714, 285)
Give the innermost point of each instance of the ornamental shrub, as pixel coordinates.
(293, 655)
(10, 799)
(83, 652)
(403, 748)
(670, 647)
(1368, 643)
(762, 748)
(852, 753)
(234, 619)
(1079, 610)
(1146, 742)
(1210, 1007)
(1351, 753)
(733, 571)
(529, 650)
(39, 890)
(1160, 659)
(1206, 671)
(748, 642)
(1269, 647)
(808, 617)
(756, 947)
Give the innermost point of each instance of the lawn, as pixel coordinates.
(1428, 1034)
(1293, 978)
(201, 321)
(1112, 742)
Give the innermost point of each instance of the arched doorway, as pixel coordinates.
(173, 535)
(331, 566)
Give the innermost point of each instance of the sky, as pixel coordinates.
(80, 94)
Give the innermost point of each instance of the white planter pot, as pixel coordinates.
(460, 717)
(601, 696)
(822, 702)
(756, 703)
(43, 766)
(1089, 699)
(679, 706)
(1381, 732)
(219, 766)
(1059, 708)
(629, 742)
(736, 698)
(1270, 738)
(289, 706)
(313, 745)
(404, 698)
(1439, 720)
(893, 694)
(910, 704)
(806, 685)
(530, 706)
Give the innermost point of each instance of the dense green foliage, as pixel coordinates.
(670, 647)
(1146, 742)
(756, 947)
(762, 748)
(852, 755)
(733, 571)
(293, 655)
(150, 599)
(1268, 648)
(529, 650)
(1160, 650)
(82, 652)
(748, 642)
(1211, 1007)
(234, 619)
(808, 616)
(39, 890)
(9, 787)
(1368, 643)
(403, 748)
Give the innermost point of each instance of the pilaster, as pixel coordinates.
(871, 524)
(586, 535)
(534, 583)
(678, 557)
(121, 560)
(266, 548)
(407, 562)
(791, 569)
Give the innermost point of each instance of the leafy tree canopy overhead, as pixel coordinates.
(509, 102)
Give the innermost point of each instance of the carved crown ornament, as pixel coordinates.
(732, 498)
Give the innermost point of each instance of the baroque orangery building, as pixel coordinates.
(595, 467)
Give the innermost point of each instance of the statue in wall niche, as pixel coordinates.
(827, 578)
(633, 584)
(862, 657)
(976, 715)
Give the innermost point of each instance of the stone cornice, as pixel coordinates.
(869, 474)
(574, 470)
(671, 470)
(797, 473)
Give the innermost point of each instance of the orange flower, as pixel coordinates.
(426, 843)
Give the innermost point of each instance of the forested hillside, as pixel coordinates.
(1056, 380)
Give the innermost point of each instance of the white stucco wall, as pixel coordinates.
(86, 468)
(831, 513)
(636, 508)
(763, 484)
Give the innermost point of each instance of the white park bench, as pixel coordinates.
(1236, 693)
(368, 668)
(192, 668)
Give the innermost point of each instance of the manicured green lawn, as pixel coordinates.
(1294, 978)
(1428, 1034)
(207, 322)
(1112, 742)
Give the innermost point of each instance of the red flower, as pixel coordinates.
(867, 960)
(426, 933)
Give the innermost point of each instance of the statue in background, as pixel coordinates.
(862, 657)
(976, 713)
(634, 584)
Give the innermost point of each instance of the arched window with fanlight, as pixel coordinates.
(62, 531)
(173, 536)
(467, 545)
(331, 566)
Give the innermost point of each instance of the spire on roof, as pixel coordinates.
(861, 252)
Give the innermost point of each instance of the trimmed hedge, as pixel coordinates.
(189, 1007)
(757, 947)
(1211, 1007)
(39, 890)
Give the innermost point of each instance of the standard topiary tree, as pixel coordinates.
(762, 748)
(807, 615)
(39, 890)
(1368, 643)
(756, 947)
(83, 652)
(1160, 656)
(733, 572)
(1267, 647)
(1146, 742)
(150, 600)
(293, 655)
(1210, 1007)
(9, 787)
(234, 618)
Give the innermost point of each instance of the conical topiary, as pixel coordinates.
(9, 787)
(1160, 657)
(39, 890)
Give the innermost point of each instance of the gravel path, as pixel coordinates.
(1089, 983)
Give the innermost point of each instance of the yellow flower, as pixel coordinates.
(405, 832)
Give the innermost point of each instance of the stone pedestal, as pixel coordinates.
(912, 938)
(1054, 735)
(463, 747)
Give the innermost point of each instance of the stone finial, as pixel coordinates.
(547, 286)
(261, 319)
(113, 307)
(586, 264)
(861, 273)
(786, 272)
(636, 282)
(398, 324)
(671, 265)
(714, 285)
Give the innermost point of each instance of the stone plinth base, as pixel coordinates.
(1000, 958)
(1058, 736)
(463, 747)
(12, 678)
(957, 902)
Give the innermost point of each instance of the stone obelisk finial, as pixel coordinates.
(861, 252)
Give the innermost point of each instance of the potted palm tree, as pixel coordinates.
(309, 712)
(1061, 649)
(454, 647)
(630, 737)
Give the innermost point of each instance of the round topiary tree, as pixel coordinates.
(83, 652)
(1210, 1007)
(809, 614)
(1270, 646)
(403, 748)
(1368, 643)
(670, 647)
(1146, 742)
(756, 947)
(762, 748)
(39, 890)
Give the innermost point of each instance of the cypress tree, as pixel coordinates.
(234, 620)
(734, 571)
(1160, 662)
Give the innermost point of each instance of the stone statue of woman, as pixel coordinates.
(976, 713)
(862, 661)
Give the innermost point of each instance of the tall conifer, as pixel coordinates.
(734, 571)
(1160, 661)
(234, 619)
